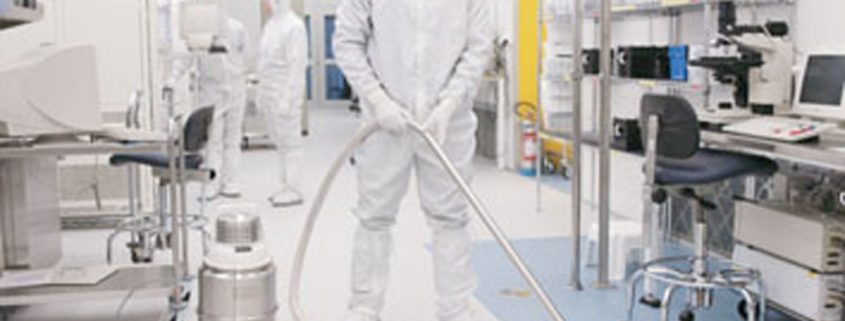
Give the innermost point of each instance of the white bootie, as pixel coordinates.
(360, 315)
(210, 193)
(230, 191)
(286, 197)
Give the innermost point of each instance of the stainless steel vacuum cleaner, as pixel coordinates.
(489, 222)
(238, 279)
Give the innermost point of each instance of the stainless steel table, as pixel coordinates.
(144, 281)
(821, 153)
(818, 153)
(80, 148)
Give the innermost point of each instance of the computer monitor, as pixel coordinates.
(201, 21)
(821, 86)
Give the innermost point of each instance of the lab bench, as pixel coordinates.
(31, 225)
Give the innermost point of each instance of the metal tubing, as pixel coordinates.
(632, 293)
(538, 110)
(490, 223)
(666, 303)
(700, 246)
(604, 152)
(481, 211)
(761, 297)
(708, 34)
(183, 207)
(650, 252)
(751, 305)
(174, 207)
(577, 78)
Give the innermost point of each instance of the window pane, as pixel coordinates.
(308, 86)
(330, 27)
(336, 86)
(308, 33)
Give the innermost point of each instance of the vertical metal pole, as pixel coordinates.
(604, 152)
(708, 35)
(175, 237)
(538, 162)
(649, 240)
(577, 78)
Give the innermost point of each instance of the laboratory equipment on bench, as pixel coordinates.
(201, 22)
(799, 253)
(29, 215)
(652, 62)
(486, 219)
(237, 281)
(18, 12)
(822, 86)
(756, 60)
(780, 128)
(820, 96)
(51, 90)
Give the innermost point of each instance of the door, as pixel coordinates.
(326, 85)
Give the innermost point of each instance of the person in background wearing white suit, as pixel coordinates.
(222, 84)
(282, 66)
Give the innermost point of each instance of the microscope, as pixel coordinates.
(759, 65)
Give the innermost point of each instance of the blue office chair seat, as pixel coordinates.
(192, 162)
(710, 166)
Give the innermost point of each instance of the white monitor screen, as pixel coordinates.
(824, 80)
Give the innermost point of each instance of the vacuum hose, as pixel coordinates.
(489, 222)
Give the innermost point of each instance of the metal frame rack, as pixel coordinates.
(603, 17)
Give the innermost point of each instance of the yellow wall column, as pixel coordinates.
(527, 50)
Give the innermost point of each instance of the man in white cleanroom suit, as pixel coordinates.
(282, 66)
(222, 84)
(419, 60)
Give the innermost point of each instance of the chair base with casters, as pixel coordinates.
(677, 165)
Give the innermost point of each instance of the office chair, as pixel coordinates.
(677, 165)
(153, 232)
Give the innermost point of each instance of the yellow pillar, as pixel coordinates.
(527, 67)
(527, 50)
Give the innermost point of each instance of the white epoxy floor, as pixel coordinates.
(510, 198)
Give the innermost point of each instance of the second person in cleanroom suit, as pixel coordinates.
(423, 61)
(281, 94)
(223, 85)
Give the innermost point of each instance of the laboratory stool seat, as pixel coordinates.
(625, 237)
(677, 165)
(189, 137)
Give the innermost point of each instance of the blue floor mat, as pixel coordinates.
(557, 182)
(504, 293)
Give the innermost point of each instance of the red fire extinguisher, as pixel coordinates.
(527, 113)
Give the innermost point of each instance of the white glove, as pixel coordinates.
(438, 122)
(389, 114)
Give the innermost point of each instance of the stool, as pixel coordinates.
(677, 165)
(624, 237)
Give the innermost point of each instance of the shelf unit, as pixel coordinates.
(671, 8)
(666, 5)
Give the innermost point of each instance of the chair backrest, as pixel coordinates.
(678, 133)
(197, 129)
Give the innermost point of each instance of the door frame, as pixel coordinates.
(317, 12)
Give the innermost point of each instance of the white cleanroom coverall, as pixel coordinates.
(282, 67)
(421, 60)
(223, 85)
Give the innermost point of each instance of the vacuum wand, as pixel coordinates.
(489, 222)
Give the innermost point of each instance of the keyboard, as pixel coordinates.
(780, 128)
